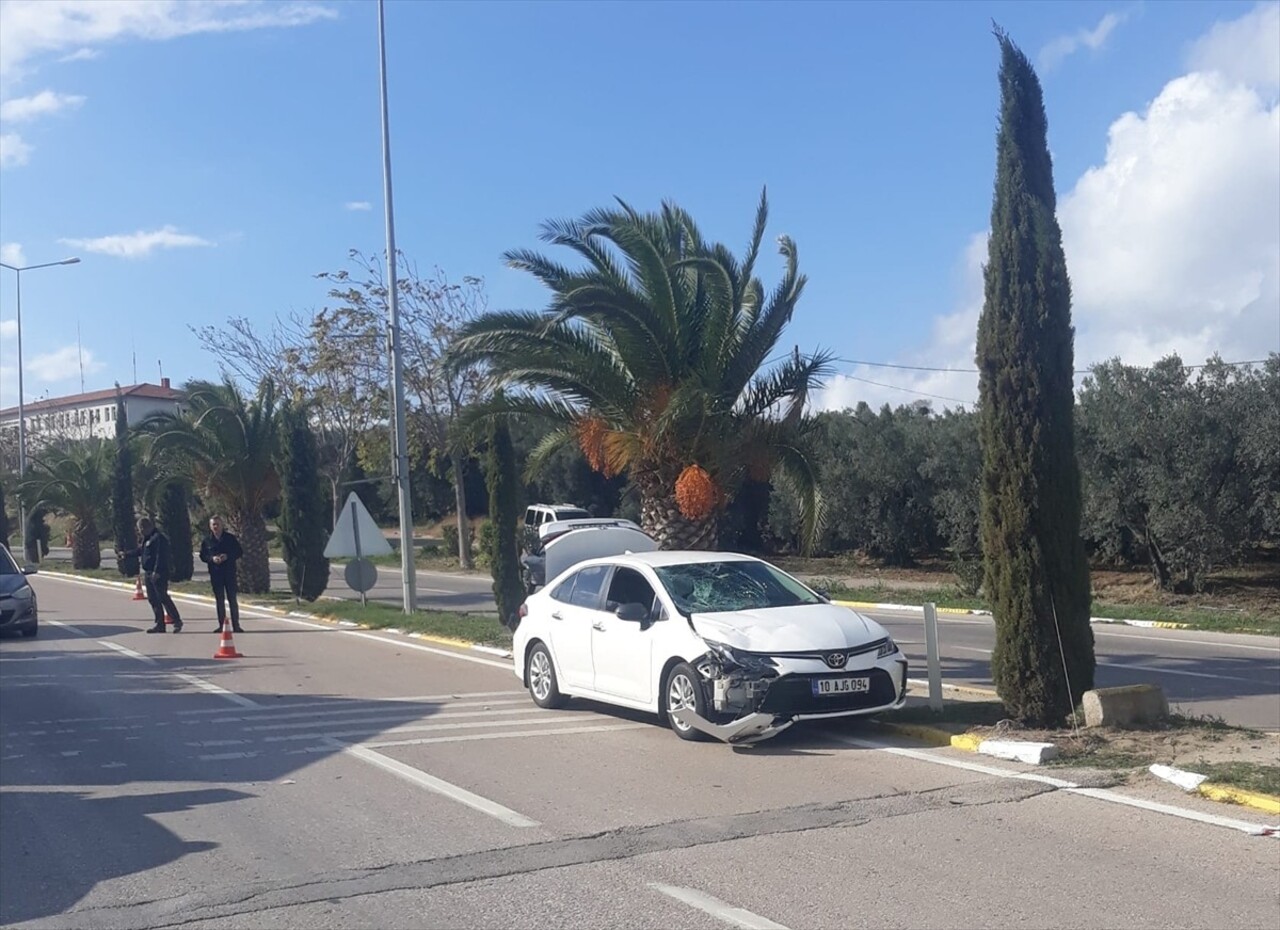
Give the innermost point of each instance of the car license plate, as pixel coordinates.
(825, 687)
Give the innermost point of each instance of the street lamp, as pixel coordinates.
(22, 419)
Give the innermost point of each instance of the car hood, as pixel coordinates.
(811, 627)
(11, 583)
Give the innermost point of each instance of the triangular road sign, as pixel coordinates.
(355, 518)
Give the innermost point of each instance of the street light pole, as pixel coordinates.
(22, 417)
(399, 436)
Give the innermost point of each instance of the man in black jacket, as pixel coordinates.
(156, 568)
(220, 551)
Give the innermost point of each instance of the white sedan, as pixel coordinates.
(714, 643)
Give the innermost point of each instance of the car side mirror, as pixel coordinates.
(30, 570)
(633, 612)
(823, 593)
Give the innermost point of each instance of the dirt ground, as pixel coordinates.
(1179, 745)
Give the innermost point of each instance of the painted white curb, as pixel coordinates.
(916, 608)
(1018, 750)
(1187, 781)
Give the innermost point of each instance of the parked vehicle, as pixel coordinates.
(18, 607)
(537, 514)
(557, 549)
(715, 643)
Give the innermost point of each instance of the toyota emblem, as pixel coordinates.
(836, 659)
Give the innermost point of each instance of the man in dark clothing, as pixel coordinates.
(156, 568)
(220, 551)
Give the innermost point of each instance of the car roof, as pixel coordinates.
(661, 559)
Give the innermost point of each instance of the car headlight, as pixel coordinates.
(887, 648)
(748, 660)
(25, 593)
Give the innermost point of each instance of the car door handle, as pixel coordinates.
(598, 626)
(555, 615)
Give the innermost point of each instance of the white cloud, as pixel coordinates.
(139, 244)
(8, 329)
(13, 151)
(11, 254)
(21, 109)
(61, 364)
(1058, 49)
(81, 54)
(358, 205)
(1245, 51)
(32, 28)
(1172, 242)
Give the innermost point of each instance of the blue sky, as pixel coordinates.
(202, 158)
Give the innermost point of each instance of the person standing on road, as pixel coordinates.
(156, 568)
(220, 551)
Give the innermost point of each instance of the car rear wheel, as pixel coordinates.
(540, 672)
(683, 690)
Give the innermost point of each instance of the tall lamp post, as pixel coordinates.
(22, 418)
(399, 437)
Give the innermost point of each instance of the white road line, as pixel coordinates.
(65, 626)
(734, 916)
(473, 737)
(1100, 794)
(437, 785)
(383, 709)
(1154, 669)
(214, 689)
(525, 707)
(128, 652)
(362, 736)
(182, 676)
(1189, 642)
(400, 643)
(1171, 671)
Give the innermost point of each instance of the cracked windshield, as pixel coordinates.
(716, 587)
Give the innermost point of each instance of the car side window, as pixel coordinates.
(563, 592)
(530, 517)
(586, 589)
(631, 587)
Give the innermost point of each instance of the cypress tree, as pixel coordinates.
(4, 518)
(175, 520)
(504, 513)
(123, 524)
(304, 510)
(1035, 569)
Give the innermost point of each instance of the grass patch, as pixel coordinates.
(1200, 618)
(476, 628)
(1251, 776)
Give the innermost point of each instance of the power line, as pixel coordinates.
(974, 371)
(895, 387)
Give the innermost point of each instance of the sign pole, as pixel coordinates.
(355, 531)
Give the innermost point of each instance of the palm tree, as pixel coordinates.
(76, 481)
(655, 359)
(227, 445)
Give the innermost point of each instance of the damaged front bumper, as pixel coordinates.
(762, 696)
(749, 729)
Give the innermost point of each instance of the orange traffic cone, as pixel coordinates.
(168, 621)
(137, 589)
(227, 648)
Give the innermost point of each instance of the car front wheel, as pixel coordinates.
(683, 690)
(541, 675)
(30, 631)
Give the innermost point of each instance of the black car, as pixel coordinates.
(17, 597)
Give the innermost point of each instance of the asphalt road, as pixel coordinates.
(341, 778)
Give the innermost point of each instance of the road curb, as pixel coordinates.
(1269, 803)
